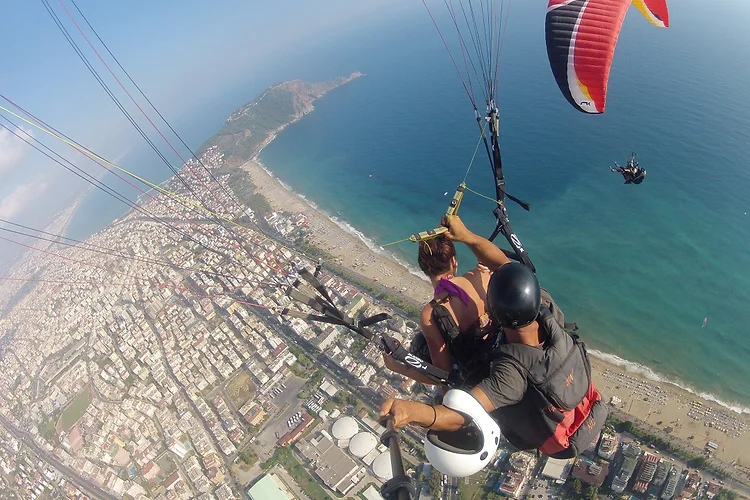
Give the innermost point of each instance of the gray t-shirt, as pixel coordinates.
(505, 385)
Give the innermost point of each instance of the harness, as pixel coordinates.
(472, 354)
(561, 412)
(470, 350)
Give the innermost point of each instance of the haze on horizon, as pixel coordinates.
(184, 55)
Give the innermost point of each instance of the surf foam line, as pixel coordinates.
(650, 374)
(371, 245)
(613, 359)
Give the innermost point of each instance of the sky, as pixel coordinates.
(184, 54)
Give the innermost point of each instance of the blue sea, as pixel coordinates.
(637, 267)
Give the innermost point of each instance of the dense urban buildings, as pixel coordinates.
(165, 369)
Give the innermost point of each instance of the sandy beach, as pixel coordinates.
(346, 249)
(685, 415)
(680, 413)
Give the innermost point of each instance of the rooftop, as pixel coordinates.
(266, 489)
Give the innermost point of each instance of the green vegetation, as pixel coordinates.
(577, 486)
(725, 494)
(259, 204)
(75, 410)
(16, 383)
(47, 429)
(167, 466)
(408, 443)
(304, 364)
(304, 246)
(475, 487)
(245, 189)
(248, 127)
(241, 184)
(248, 457)
(22, 292)
(284, 457)
(298, 370)
(358, 344)
(346, 398)
(311, 385)
(435, 483)
(592, 492)
(343, 398)
(576, 491)
(129, 381)
(698, 463)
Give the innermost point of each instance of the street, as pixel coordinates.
(85, 485)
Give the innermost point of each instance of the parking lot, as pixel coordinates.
(540, 489)
(288, 404)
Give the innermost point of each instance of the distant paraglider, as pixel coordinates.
(581, 38)
(631, 172)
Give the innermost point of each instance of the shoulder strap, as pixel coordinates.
(514, 352)
(444, 322)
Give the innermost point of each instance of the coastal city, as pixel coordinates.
(164, 368)
(386, 250)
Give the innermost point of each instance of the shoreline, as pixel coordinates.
(694, 416)
(613, 360)
(344, 225)
(642, 392)
(649, 374)
(345, 244)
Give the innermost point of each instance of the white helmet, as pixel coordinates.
(468, 450)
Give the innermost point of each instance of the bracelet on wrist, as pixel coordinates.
(434, 418)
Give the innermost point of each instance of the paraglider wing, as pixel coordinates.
(581, 37)
(655, 11)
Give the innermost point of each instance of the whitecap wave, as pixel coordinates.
(613, 359)
(645, 371)
(345, 226)
(308, 201)
(283, 184)
(373, 246)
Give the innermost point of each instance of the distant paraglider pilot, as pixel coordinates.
(632, 172)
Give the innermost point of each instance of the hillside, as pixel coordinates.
(252, 126)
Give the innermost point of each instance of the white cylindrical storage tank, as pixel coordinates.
(381, 467)
(362, 444)
(345, 428)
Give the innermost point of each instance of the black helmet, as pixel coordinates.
(513, 296)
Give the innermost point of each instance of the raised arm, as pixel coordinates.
(487, 253)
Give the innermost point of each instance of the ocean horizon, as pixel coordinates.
(637, 267)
